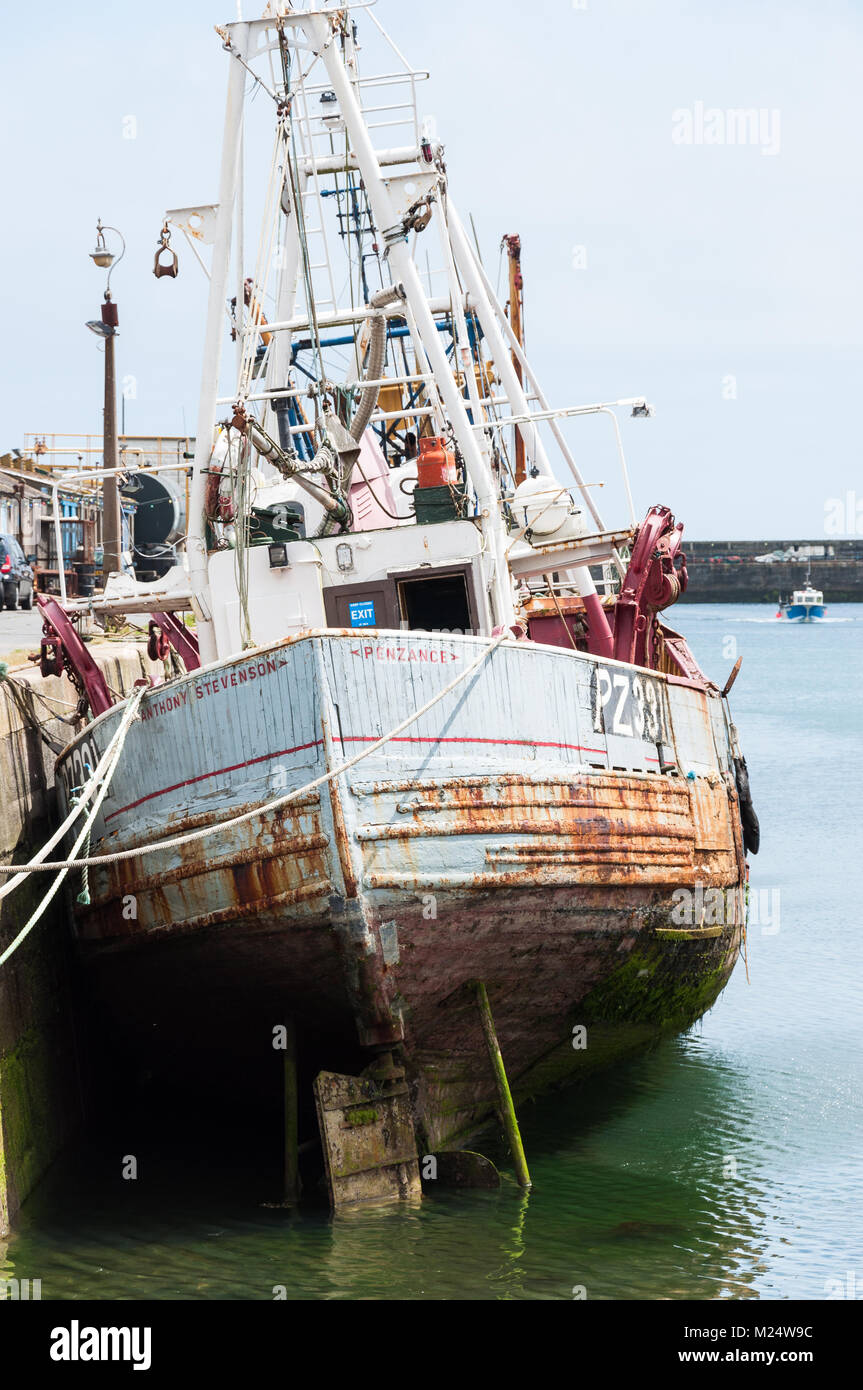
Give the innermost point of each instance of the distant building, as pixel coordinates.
(154, 508)
(23, 502)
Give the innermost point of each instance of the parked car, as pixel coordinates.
(15, 574)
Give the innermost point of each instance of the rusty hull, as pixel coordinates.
(368, 907)
(570, 923)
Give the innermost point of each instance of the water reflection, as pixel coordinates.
(646, 1184)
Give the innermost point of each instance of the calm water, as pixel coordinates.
(726, 1163)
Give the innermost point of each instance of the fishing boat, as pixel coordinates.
(430, 768)
(806, 604)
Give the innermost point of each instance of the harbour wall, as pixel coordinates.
(41, 1080)
(729, 572)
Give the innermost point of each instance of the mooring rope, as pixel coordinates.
(129, 714)
(78, 807)
(178, 840)
(20, 692)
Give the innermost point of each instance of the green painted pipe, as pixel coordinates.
(504, 1095)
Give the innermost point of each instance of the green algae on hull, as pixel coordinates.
(663, 987)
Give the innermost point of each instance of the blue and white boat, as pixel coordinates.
(806, 605)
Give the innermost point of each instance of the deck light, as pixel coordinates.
(330, 111)
(279, 557)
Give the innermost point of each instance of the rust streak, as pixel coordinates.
(236, 912)
(505, 825)
(190, 869)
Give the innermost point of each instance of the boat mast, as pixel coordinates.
(404, 271)
(491, 317)
(325, 35)
(513, 251)
(469, 270)
(279, 362)
(196, 540)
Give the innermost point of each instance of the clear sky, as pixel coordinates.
(664, 255)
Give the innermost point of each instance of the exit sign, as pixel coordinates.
(362, 613)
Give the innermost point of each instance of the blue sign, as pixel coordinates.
(362, 613)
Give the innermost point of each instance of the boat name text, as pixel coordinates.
(436, 655)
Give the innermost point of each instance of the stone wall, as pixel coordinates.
(841, 581)
(728, 572)
(41, 1101)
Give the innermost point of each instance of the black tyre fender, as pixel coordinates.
(748, 818)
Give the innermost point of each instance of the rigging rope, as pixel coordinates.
(308, 287)
(85, 794)
(393, 515)
(242, 518)
(20, 693)
(263, 262)
(129, 714)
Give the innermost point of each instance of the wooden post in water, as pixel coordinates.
(504, 1095)
(293, 1185)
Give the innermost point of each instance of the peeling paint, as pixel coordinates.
(551, 858)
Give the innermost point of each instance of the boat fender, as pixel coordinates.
(158, 645)
(218, 503)
(748, 818)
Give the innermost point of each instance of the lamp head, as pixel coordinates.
(100, 254)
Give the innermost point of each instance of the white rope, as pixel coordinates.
(129, 714)
(263, 263)
(242, 518)
(179, 840)
(79, 806)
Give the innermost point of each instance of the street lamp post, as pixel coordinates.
(106, 328)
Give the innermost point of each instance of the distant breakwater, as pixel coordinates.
(730, 572)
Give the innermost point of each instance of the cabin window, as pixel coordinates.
(429, 604)
(438, 599)
(422, 600)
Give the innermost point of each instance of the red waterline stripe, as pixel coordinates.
(357, 738)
